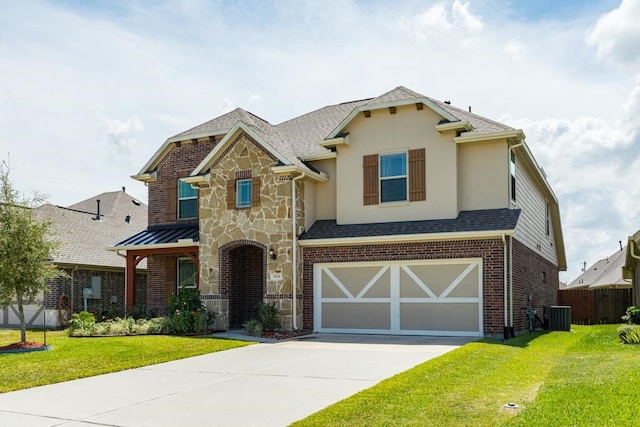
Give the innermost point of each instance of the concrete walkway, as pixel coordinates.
(267, 384)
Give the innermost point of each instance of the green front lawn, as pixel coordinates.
(583, 378)
(73, 358)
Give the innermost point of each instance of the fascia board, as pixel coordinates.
(478, 137)
(184, 244)
(411, 101)
(323, 156)
(195, 180)
(290, 169)
(461, 125)
(146, 177)
(198, 135)
(340, 140)
(404, 238)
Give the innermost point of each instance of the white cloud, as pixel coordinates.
(514, 49)
(464, 18)
(616, 35)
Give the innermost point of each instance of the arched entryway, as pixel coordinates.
(246, 278)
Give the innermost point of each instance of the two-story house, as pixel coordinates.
(393, 215)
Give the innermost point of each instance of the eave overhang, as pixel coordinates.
(295, 170)
(410, 101)
(463, 125)
(323, 156)
(146, 177)
(515, 134)
(338, 140)
(183, 243)
(405, 238)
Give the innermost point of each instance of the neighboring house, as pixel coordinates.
(604, 274)
(393, 215)
(630, 270)
(84, 230)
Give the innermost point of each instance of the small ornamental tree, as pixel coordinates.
(26, 249)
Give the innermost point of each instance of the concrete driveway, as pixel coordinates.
(267, 384)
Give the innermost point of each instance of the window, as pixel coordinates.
(187, 201)
(393, 177)
(243, 193)
(186, 273)
(548, 220)
(512, 170)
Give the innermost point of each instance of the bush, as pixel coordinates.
(187, 313)
(629, 334)
(125, 326)
(82, 324)
(632, 315)
(269, 317)
(253, 327)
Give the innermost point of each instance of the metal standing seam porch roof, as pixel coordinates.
(161, 235)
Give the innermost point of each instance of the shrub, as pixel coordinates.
(82, 324)
(632, 315)
(253, 327)
(269, 317)
(629, 334)
(187, 313)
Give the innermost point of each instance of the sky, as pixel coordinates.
(89, 90)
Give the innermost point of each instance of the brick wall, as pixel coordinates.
(112, 284)
(490, 250)
(156, 298)
(532, 275)
(181, 158)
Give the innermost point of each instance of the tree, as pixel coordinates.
(26, 248)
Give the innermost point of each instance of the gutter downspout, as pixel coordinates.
(512, 332)
(506, 297)
(294, 251)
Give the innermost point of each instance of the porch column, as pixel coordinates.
(130, 281)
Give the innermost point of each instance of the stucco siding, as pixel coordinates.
(483, 175)
(310, 197)
(385, 133)
(531, 228)
(326, 191)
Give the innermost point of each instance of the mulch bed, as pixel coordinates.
(22, 346)
(284, 334)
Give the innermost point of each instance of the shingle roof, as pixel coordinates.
(604, 273)
(160, 234)
(83, 238)
(221, 125)
(467, 221)
(300, 137)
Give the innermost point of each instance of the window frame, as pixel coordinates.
(404, 176)
(185, 199)
(246, 182)
(179, 261)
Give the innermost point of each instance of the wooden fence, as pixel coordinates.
(593, 306)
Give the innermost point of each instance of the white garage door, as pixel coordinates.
(425, 297)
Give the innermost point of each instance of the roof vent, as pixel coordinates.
(127, 219)
(97, 217)
(447, 102)
(135, 202)
(124, 189)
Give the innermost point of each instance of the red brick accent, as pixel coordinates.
(112, 284)
(243, 273)
(528, 279)
(490, 250)
(184, 157)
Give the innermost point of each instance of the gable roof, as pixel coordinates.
(83, 238)
(605, 273)
(299, 138)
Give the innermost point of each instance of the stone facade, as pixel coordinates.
(225, 230)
